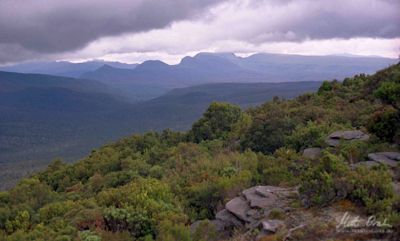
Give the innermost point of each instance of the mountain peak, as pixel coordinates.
(151, 64)
(202, 56)
(154, 62)
(105, 67)
(220, 54)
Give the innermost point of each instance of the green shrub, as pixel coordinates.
(277, 213)
(268, 130)
(216, 123)
(354, 151)
(309, 135)
(89, 236)
(156, 172)
(56, 209)
(389, 92)
(385, 124)
(373, 188)
(205, 231)
(138, 223)
(168, 231)
(325, 182)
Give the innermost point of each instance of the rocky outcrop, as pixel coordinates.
(391, 159)
(239, 207)
(252, 208)
(262, 211)
(312, 153)
(254, 204)
(228, 219)
(335, 138)
(281, 212)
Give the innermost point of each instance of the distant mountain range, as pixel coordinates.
(154, 78)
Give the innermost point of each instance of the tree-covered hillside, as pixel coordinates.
(46, 117)
(154, 186)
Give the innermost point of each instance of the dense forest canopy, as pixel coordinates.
(153, 186)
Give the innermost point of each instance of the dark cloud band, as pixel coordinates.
(62, 25)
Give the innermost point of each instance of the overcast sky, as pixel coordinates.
(136, 30)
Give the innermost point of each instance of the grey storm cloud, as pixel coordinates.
(35, 28)
(357, 19)
(324, 19)
(61, 25)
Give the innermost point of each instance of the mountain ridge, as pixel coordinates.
(62, 68)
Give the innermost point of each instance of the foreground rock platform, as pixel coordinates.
(262, 212)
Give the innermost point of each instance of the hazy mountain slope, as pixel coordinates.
(180, 107)
(62, 68)
(306, 68)
(121, 79)
(50, 111)
(39, 124)
(56, 99)
(247, 94)
(10, 81)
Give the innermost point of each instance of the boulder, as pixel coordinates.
(335, 138)
(219, 225)
(268, 227)
(312, 153)
(266, 191)
(391, 159)
(391, 155)
(261, 198)
(238, 207)
(228, 219)
(255, 214)
(349, 135)
(272, 225)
